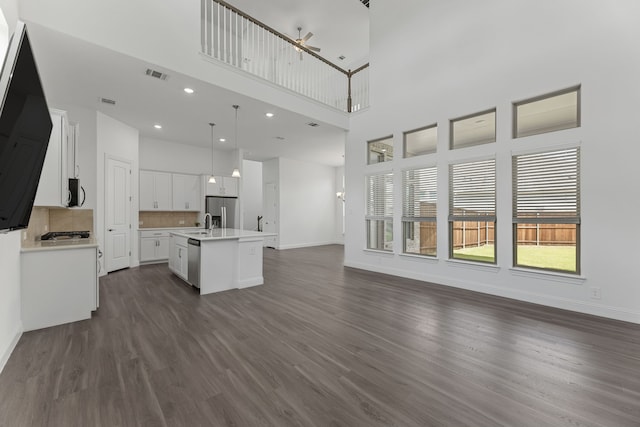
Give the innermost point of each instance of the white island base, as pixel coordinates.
(229, 259)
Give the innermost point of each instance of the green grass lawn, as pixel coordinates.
(551, 257)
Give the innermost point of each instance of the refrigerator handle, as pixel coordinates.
(224, 217)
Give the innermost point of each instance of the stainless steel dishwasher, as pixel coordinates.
(193, 269)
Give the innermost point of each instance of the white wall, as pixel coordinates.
(339, 206)
(271, 175)
(251, 194)
(488, 54)
(10, 323)
(307, 204)
(163, 155)
(116, 139)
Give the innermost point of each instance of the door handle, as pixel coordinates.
(111, 229)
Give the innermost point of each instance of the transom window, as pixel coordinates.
(421, 141)
(475, 129)
(380, 150)
(547, 113)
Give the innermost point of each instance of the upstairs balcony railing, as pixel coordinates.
(235, 38)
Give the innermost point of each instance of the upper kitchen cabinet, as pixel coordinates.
(155, 191)
(73, 152)
(53, 188)
(186, 192)
(226, 186)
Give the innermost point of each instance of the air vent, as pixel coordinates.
(279, 138)
(156, 74)
(341, 57)
(365, 2)
(107, 101)
(313, 125)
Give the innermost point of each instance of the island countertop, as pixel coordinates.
(221, 234)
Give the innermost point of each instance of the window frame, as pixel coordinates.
(407, 219)
(470, 116)
(370, 210)
(404, 140)
(486, 218)
(547, 219)
(517, 104)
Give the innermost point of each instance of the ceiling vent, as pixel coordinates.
(365, 2)
(156, 74)
(313, 125)
(108, 101)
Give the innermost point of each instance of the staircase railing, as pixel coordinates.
(239, 40)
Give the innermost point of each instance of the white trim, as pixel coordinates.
(305, 245)
(428, 258)
(492, 268)
(556, 276)
(546, 300)
(379, 251)
(12, 345)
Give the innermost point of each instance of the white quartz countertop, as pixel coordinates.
(222, 234)
(56, 245)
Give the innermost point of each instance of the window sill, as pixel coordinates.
(378, 251)
(473, 265)
(426, 258)
(548, 275)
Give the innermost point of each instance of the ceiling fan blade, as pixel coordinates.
(313, 48)
(307, 37)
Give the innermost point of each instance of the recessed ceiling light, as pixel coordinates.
(188, 90)
(157, 126)
(279, 138)
(269, 115)
(222, 140)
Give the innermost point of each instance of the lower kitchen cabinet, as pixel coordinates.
(58, 285)
(179, 256)
(154, 246)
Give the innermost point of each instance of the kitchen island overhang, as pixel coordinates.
(218, 260)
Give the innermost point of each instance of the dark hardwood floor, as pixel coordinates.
(321, 345)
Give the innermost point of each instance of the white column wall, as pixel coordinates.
(472, 56)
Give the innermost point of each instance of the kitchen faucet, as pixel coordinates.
(210, 220)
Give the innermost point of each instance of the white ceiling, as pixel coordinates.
(79, 73)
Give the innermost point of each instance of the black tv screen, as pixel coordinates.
(25, 128)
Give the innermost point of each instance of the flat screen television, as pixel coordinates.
(25, 128)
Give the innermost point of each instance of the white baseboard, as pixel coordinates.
(546, 300)
(12, 345)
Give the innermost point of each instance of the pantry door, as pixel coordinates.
(117, 214)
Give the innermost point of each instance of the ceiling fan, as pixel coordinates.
(302, 41)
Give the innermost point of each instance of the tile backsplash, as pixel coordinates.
(44, 219)
(168, 219)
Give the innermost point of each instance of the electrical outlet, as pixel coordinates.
(181, 222)
(595, 293)
(46, 228)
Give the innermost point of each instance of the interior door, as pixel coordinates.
(118, 215)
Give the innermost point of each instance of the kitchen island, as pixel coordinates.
(219, 259)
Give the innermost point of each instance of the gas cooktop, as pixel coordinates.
(54, 235)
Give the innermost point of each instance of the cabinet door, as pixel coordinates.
(147, 192)
(230, 186)
(192, 192)
(184, 261)
(53, 188)
(216, 189)
(179, 183)
(163, 191)
(73, 154)
(162, 249)
(173, 254)
(148, 247)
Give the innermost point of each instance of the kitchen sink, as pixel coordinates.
(199, 233)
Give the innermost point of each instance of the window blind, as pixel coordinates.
(420, 195)
(546, 187)
(379, 196)
(472, 191)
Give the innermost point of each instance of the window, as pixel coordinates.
(471, 130)
(419, 211)
(380, 150)
(421, 141)
(547, 113)
(546, 210)
(472, 211)
(379, 214)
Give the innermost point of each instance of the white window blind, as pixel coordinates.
(546, 187)
(419, 194)
(379, 196)
(472, 191)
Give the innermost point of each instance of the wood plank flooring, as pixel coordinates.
(321, 345)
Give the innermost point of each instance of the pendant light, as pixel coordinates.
(212, 179)
(236, 171)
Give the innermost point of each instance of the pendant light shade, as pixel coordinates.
(236, 171)
(212, 179)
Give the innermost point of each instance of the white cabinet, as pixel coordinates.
(186, 192)
(179, 256)
(155, 191)
(154, 246)
(224, 186)
(73, 153)
(58, 286)
(53, 188)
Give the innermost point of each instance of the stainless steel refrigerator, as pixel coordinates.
(223, 211)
